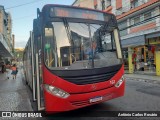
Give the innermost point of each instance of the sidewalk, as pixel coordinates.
(146, 77)
(13, 93)
(142, 77)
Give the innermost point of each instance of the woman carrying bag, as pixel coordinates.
(14, 71)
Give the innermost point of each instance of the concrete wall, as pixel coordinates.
(1, 21)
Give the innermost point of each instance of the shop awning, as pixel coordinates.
(3, 51)
(133, 41)
(153, 35)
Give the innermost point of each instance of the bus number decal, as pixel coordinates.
(112, 82)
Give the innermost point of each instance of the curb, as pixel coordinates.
(144, 80)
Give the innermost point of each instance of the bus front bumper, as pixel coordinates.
(54, 104)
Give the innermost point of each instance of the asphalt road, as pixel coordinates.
(139, 96)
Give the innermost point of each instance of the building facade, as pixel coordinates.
(84, 3)
(139, 24)
(6, 40)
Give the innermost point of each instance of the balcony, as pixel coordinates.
(122, 10)
(136, 3)
(133, 10)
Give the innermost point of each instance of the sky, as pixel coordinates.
(23, 12)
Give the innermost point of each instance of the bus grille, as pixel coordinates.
(86, 102)
(82, 80)
(81, 103)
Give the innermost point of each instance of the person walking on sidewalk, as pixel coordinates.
(134, 61)
(8, 67)
(14, 71)
(3, 67)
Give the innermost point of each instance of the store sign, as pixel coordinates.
(154, 41)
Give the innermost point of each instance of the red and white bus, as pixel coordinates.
(73, 58)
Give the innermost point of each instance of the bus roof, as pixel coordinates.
(53, 10)
(76, 7)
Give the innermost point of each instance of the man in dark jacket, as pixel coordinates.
(3, 67)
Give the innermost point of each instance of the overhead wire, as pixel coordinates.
(22, 4)
(28, 16)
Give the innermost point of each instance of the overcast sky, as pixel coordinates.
(23, 12)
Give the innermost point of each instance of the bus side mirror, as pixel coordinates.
(117, 41)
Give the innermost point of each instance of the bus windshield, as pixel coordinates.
(71, 46)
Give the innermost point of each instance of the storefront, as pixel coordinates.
(145, 58)
(128, 48)
(141, 54)
(153, 52)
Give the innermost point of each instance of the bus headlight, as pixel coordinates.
(118, 84)
(56, 91)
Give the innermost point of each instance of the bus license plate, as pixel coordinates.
(96, 99)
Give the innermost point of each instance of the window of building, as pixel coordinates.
(95, 6)
(147, 15)
(119, 11)
(156, 11)
(144, 1)
(122, 25)
(136, 19)
(123, 28)
(108, 3)
(103, 4)
(142, 17)
(134, 4)
(123, 32)
(131, 22)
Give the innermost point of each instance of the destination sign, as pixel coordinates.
(78, 13)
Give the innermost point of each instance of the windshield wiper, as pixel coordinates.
(66, 25)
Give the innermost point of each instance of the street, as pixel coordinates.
(63, 55)
(139, 96)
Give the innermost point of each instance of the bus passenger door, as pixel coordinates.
(39, 81)
(33, 49)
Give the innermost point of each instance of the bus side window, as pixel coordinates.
(49, 50)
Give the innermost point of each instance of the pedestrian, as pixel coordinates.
(134, 60)
(3, 67)
(14, 71)
(8, 67)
